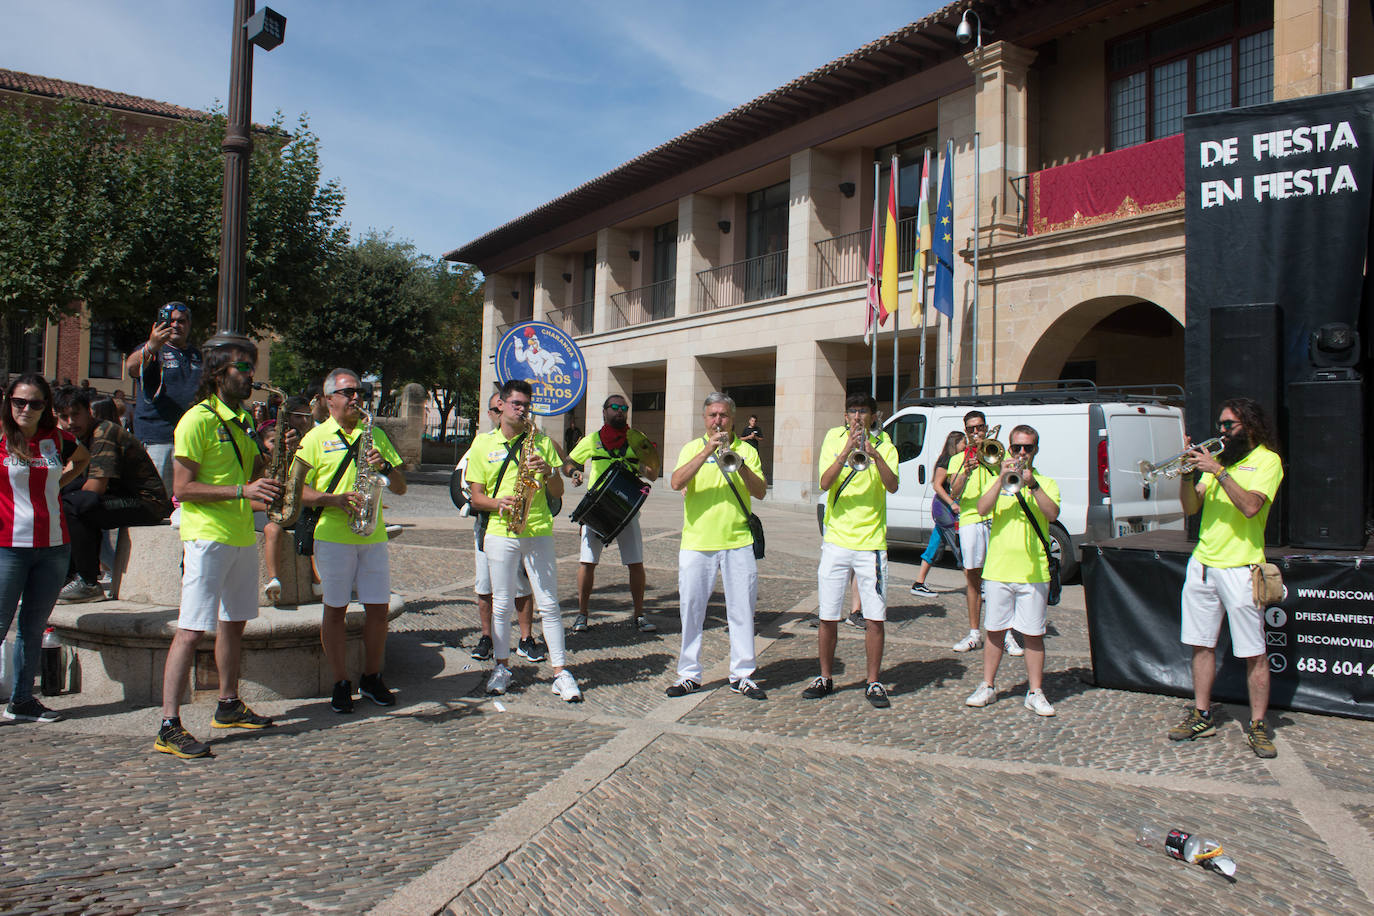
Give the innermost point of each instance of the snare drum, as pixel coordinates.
(611, 503)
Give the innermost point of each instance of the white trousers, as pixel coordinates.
(505, 556)
(696, 580)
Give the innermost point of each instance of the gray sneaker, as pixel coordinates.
(79, 590)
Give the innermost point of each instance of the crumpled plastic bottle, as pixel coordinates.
(1186, 847)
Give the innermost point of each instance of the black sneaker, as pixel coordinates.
(530, 650)
(683, 687)
(31, 710)
(856, 620)
(371, 686)
(178, 742)
(820, 687)
(483, 651)
(876, 694)
(342, 701)
(238, 716)
(747, 688)
(920, 588)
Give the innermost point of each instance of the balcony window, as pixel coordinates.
(766, 221)
(1211, 60)
(665, 269)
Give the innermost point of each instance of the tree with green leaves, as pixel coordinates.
(452, 368)
(90, 213)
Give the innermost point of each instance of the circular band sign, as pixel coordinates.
(544, 356)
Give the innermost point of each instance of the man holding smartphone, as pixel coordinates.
(166, 373)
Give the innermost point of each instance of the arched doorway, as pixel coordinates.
(1113, 340)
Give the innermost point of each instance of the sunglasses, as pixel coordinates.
(518, 404)
(242, 365)
(493, 410)
(1020, 447)
(1226, 425)
(28, 404)
(974, 429)
(348, 394)
(620, 407)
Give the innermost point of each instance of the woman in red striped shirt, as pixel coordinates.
(36, 459)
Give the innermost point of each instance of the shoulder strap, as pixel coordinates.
(1034, 524)
(731, 485)
(512, 447)
(247, 471)
(347, 459)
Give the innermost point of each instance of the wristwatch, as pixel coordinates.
(1034, 485)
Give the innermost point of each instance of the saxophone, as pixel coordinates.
(527, 485)
(284, 469)
(368, 484)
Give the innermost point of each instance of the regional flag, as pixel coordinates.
(918, 276)
(943, 246)
(872, 303)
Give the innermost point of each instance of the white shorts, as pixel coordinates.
(1207, 594)
(348, 569)
(1018, 606)
(973, 544)
(629, 540)
(870, 572)
(218, 582)
(483, 587)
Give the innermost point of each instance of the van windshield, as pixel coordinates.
(908, 435)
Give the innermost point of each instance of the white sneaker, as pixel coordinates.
(499, 680)
(565, 685)
(973, 640)
(983, 696)
(272, 590)
(1036, 703)
(1012, 646)
(580, 623)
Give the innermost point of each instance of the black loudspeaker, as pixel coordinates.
(1326, 464)
(1247, 361)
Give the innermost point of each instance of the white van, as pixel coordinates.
(1091, 442)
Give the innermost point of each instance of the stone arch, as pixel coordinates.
(1125, 339)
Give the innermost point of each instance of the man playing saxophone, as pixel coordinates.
(512, 471)
(348, 561)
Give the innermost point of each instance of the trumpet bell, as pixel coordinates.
(858, 460)
(728, 460)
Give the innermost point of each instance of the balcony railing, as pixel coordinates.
(844, 258)
(648, 303)
(763, 277)
(575, 320)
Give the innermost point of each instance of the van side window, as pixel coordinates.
(908, 434)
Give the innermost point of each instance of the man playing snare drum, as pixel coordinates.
(614, 443)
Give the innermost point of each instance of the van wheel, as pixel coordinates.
(1061, 546)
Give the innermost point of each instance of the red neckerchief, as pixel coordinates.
(613, 438)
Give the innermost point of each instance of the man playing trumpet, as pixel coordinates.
(497, 461)
(614, 442)
(857, 472)
(1017, 574)
(716, 537)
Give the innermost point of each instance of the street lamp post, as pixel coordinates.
(266, 28)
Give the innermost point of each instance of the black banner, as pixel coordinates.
(1278, 210)
(1320, 640)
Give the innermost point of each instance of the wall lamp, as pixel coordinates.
(634, 254)
(515, 294)
(847, 188)
(966, 33)
(567, 278)
(724, 226)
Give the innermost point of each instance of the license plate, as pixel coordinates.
(1132, 527)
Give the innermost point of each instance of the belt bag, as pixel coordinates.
(309, 518)
(1267, 582)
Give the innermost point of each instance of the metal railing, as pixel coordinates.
(844, 258)
(575, 320)
(763, 277)
(1018, 187)
(647, 303)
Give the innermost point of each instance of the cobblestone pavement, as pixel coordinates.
(635, 803)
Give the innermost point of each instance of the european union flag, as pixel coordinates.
(943, 244)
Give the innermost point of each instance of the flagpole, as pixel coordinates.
(896, 299)
(977, 171)
(873, 317)
(918, 273)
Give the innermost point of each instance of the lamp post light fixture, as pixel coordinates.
(966, 32)
(724, 226)
(265, 29)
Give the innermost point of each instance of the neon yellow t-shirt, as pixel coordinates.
(589, 447)
(484, 463)
(1015, 553)
(1226, 538)
(323, 451)
(711, 516)
(202, 438)
(858, 519)
(978, 482)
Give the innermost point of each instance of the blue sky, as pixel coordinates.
(443, 120)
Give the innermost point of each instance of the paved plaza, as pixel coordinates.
(632, 802)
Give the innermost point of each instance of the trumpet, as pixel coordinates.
(858, 460)
(728, 460)
(1015, 479)
(1180, 464)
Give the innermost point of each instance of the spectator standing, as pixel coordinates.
(166, 371)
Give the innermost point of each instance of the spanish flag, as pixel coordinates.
(887, 301)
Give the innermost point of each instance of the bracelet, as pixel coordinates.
(239, 492)
(1221, 475)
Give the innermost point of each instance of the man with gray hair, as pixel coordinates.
(350, 562)
(716, 538)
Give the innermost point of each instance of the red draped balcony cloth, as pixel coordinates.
(1125, 182)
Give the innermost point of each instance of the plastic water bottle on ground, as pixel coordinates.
(1187, 847)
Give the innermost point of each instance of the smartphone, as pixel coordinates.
(164, 314)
